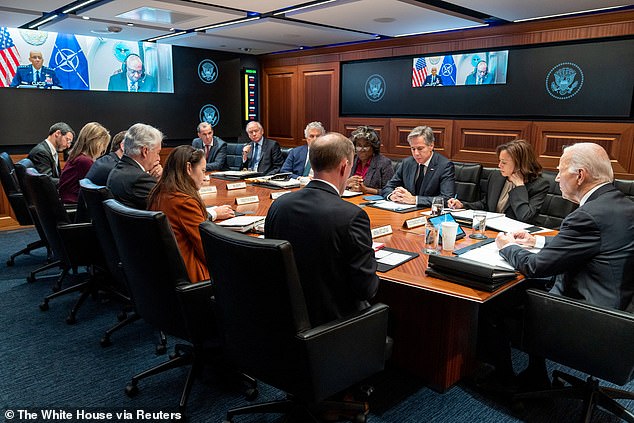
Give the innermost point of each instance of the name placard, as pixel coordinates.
(415, 222)
(208, 190)
(276, 195)
(381, 230)
(247, 200)
(237, 185)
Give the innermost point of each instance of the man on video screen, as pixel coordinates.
(132, 77)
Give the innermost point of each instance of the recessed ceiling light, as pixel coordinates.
(384, 20)
(85, 18)
(130, 24)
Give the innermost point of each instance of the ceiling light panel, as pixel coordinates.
(95, 28)
(512, 10)
(384, 17)
(214, 42)
(14, 19)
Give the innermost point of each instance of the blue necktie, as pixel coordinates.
(255, 156)
(38, 77)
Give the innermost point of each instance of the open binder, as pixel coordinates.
(468, 272)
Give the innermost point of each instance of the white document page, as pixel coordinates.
(241, 220)
(390, 258)
(391, 205)
(490, 254)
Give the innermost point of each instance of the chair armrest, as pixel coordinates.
(347, 350)
(196, 300)
(81, 244)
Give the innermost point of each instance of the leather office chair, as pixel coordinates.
(555, 207)
(17, 202)
(484, 180)
(93, 196)
(234, 155)
(266, 332)
(73, 244)
(157, 279)
(603, 349)
(468, 181)
(626, 187)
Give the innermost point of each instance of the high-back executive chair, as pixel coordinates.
(73, 244)
(266, 332)
(93, 197)
(603, 349)
(468, 181)
(17, 202)
(163, 295)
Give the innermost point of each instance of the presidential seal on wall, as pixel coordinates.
(210, 114)
(564, 80)
(375, 87)
(207, 71)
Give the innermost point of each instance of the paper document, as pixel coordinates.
(490, 254)
(241, 220)
(391, 205)
(506, 224)
(347, 193)
(236, 173)
(390, 258)
(468, 214)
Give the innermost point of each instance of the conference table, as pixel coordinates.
(433, 322)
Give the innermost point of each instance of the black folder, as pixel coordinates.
(469, 273)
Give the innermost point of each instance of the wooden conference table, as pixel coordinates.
(433, 322)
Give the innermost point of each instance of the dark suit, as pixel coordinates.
(129, 184)
(271, 159)
(44, 162)
(119, 82)
(593, 254)
(432, 80)
(332, 246)
(379, 173)
(217, 157)
(24, 76)
(486, 79)
(100, 169)
(296, 161)
(439, 180)
(524, 201)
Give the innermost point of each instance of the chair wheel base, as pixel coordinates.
(161, 349)
(131, 390)
(105, 342)
(71, 320)
(30, 278)
(10, 262)
(251, 394)
(121, 316)
(44, 306)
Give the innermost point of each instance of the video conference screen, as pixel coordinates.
(49, 60)
(584, 80)
(481, 68)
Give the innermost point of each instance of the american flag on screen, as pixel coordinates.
(419, 72)
(9, 58)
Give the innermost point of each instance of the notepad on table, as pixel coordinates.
(241, 223)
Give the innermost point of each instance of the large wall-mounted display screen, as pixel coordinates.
(49, 60)
(580, 80)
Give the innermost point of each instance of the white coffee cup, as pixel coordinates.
(449, 231)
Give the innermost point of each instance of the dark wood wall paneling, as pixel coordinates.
(310, 91)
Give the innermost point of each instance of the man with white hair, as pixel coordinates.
(297, 162)
(590, 259)
(139, 168)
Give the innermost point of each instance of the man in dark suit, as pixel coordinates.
(297, 162)
(423, 176)
(35, 74)
(132, 77)
(100, 169)
(331, 238)
(45, 155)
(433, 79)
(261, 154)
(590, 259)
(480, 75)
(214, 147)
(137, 172)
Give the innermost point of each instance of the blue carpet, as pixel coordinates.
(49, 364)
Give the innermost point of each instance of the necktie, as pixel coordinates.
(134, 87)
(207, 149)
(255, 160)
(38, 78)
(306, 167)
(57, 169)
(419, 179)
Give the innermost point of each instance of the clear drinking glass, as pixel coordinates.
(479, 224)
(431, 239)
(437, 206)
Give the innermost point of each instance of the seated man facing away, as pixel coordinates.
(590, 259)
(331, 237)
(135, 175)
(423, 176)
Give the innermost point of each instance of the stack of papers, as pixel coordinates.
(238, 174)
(391, 205)
(490, 254)
(241, 223)
(496, 221)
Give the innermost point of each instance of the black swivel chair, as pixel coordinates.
(157, 279)
(266, 332)
(73, 244)
(604, 349)
(555, 207)
(18, 204)
(626, 187)
(468, 181)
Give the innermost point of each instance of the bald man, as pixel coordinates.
(36, 74)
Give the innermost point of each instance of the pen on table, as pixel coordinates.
(455, 197)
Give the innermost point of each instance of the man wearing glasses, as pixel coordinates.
(424, 175)
(132, 77)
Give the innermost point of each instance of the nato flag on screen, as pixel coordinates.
(69, 63)
(448, 71)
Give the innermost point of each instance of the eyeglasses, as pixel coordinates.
(135, 72)
(365, 148)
